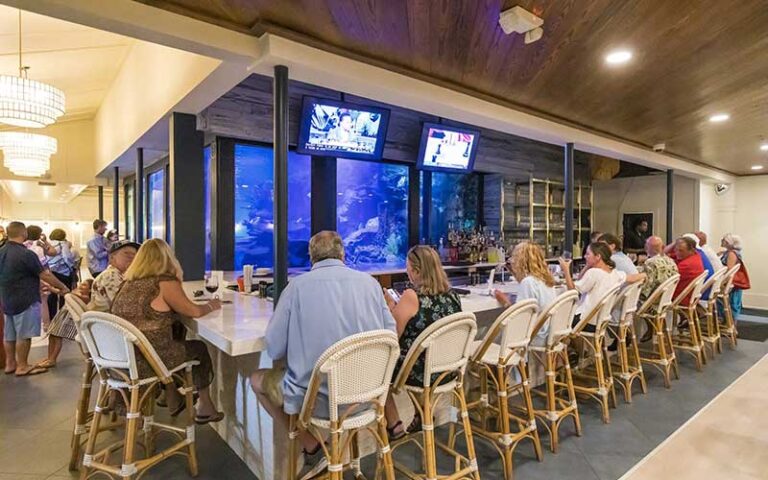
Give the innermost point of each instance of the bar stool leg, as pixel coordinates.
(636, 354)
(354, 455)
(386, 452)
(601, 383)
(571, 393)
(81, 415)
(102, 398)
(467, 433)
(190, 402)
(293, 447)
(131, 429)
(610, 385)
(428, 427)
(523, 369)
(335, 464)
(551, 400)
(662, 337)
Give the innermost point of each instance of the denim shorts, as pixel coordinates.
(24, 325)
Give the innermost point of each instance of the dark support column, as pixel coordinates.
(223, 205)
(186, 186)
(670, 204)
(101, 202)
(138, 193)
(568, 177)
(426, 206)
(414, 185)
(323, 194)
(280, 141)
(116, 200)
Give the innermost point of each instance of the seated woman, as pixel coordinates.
(428, 301)
(599, 276)
(152, 299)
(532, 273)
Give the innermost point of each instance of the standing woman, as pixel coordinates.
(61, 265)
(730, 257)
(430, 299)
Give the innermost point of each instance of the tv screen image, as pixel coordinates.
(447, 148)
(342, 129)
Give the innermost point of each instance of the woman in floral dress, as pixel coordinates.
(430, 299)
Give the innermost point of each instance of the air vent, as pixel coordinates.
(47, 184)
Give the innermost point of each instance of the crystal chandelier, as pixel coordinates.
(27, 154)
(28, 103)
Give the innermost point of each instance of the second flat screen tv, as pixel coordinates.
(447, 149)
(341, 129)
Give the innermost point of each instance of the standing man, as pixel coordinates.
(98, 254)
(20, 275)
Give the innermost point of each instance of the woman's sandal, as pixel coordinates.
(394, 434)
(415, 425)
(180, 408)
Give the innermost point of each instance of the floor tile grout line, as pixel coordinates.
(706, 407)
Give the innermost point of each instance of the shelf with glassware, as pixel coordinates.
(534, 210)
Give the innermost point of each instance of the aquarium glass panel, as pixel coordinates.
(372, 211)
(454, 203)
(207, 203)
(254, 227)
(156, 197)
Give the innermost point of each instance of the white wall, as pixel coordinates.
(613, 198)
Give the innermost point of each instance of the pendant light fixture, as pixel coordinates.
(27, 154)
(28, 103)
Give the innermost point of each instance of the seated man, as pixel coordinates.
(658, 269)
(704, 261)
(316, 310)
(688, 262)
(107, 284)
(622, 261)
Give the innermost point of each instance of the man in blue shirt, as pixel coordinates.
(622, 261)
(316, 310)
(98, 253)
(20, 275)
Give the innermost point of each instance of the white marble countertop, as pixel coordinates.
(239, 327)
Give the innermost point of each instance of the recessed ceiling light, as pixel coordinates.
(618, 57)
(764, 147)
(757, 167)
(719, 117)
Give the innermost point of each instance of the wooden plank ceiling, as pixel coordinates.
(692, 58)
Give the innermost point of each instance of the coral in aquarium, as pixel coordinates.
(372, 211)
(454, 201)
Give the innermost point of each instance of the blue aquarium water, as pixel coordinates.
(454, 202)
(372, 211)
(207, 203)
(156, 211)
(254, 220)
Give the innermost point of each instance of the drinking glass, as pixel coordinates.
(211, 284)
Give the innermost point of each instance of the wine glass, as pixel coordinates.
(211, 284)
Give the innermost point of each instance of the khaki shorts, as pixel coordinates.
(272, 384)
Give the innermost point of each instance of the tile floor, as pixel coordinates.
(36, 416)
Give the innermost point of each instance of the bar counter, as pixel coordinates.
(235, 335)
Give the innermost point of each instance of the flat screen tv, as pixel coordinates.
(447, 149)
(341, 129)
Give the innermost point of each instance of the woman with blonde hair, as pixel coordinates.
(535, 280)
(430, 299)
(152, 299)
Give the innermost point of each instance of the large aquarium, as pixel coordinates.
(207, 203)
(254, 219)
(372, 211)
(454, 204)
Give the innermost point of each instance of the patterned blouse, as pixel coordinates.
(657, 269)
(431, 309)
(104, 289)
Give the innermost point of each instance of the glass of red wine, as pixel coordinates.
(211, 284)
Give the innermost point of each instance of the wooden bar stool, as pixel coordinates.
(657, 314)
(628, 367)
(728, 324)
(446, 346)
(559, 395)
(357, 372)
(689, 340)
(592, 375)
(503, 351)
(113, 344)
(710, 325)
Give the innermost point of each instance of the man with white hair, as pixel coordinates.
(708, 266)
(658, 268)
(316, 310)
(708, 251)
